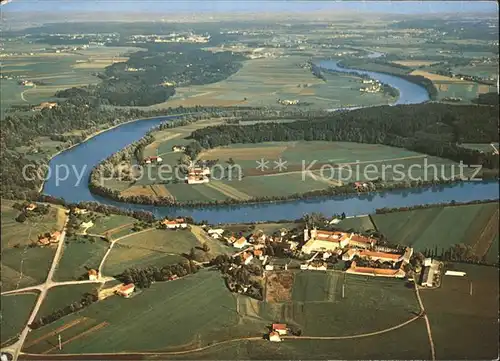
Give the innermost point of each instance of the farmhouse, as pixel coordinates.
(44, 105)
(258, 237)
(280, 328)
(215, 233)
(246, 257)
(153, 160)
(93, 275)
(376, 272)
(231, 239)
(31, 207)
(430, 273)
(77, 210)
(177, 223)
(86, 225)
(197, 175)
(126, 290)
(274, 337)
(178, 148)
(324, 240)
(240, 243)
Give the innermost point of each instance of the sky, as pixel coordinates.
(198, 6)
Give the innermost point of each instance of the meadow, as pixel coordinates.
(25, 267)
(442, 227)
(455, 87)
(13, 321)
(80, 253)
(261, 82)
(62, 296)
(465, 326)
(198, 311)
(22, 234)
(169, 315)
(113, 225)
(155, 247)
(57, 71)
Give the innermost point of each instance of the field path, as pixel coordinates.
(112, 243)
(228, 191)
(24, 91)
(119, 355)
(427, 323)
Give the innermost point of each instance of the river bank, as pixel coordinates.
(89, 154)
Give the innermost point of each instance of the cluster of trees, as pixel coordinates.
(238, 277)
(77, 113)
(435, 205)
(434, 129)
(343, 190)
(40, 210)
(144, 277)
(149, 77)
(459, 252)
(87, 300)
(487, 99)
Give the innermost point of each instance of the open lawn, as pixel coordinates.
(465, 326)
(14, 314)
(442, 227)
(62, 296)
(80, 254)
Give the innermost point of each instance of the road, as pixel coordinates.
(427, 323)
(112, 243)
(136, 355)
(15, 349)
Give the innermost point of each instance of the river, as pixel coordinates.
(85, 156)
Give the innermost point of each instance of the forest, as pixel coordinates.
(150, 77)
(433, 129)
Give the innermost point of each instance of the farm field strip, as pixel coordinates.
(83, 334)
(228, 191)
(56, 331)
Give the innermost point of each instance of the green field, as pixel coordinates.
(369, 304)
(155, 247)
(15, 312)
(22, 234)
(176, 314)
(465, 326)
(25, 267)
(112, 225)
(57, 71)
(80, 253)
(442, 227)
(62, 296)
(261, 82)
(412, 343)
(359, 224)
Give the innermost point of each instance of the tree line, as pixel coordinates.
(433, 129)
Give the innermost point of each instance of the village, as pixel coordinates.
(255, 255)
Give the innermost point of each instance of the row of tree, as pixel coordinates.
(85, 301)
(144, 277)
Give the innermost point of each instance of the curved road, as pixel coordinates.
(120, 355)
